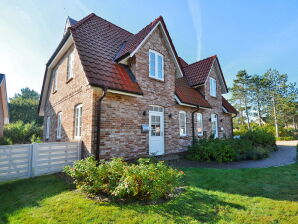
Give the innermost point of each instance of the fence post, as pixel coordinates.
(34, 157)
(30, 154)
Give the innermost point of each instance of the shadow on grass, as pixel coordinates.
(278, 183)
(192, 203)
(19, 194)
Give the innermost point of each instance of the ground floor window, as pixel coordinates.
(182, 123)
(48, 128)
(214, 127)
(200, 124)
(78, 121)
(59, 120)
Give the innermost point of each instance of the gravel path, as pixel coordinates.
(284, 156)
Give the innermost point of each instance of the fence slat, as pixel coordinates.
(29, 160)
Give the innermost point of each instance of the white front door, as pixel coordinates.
(214, 126)
(156, 134)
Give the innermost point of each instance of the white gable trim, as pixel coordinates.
(167, 41)
(123, 93)
(188, 105)
(225, 110)
(49, 69)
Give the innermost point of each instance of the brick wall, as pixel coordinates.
(69, 94)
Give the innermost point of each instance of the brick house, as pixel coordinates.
(130, 95)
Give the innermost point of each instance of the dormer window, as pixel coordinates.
(212, 87)
(156, 65)
(70, 60)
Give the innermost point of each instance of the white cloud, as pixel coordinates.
(196, 14)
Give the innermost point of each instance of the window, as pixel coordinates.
(55, 81)
(212, 87)
(155, 108)
(200, 124)
(214, 128)
(59, 125)
(70, 61)
(48, 128)
(156, 65)
(182, 123)
(78, 121)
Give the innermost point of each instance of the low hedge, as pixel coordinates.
(121, 180)
(251, 145)
(289, 138)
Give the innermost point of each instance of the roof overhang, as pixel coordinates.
(188, 105)
(226, 111)
(62, 48)
(168, 42)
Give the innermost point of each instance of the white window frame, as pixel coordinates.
(215, 118)
(156, 54)
(70, 63)
(59, 125)
(180, 125)
(78, 121)
(200, 120)
(55, 79)
(212, 87)
(48, 127)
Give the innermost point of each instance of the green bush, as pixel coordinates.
(227, 150)
(144, 180)
(20, 133)
(259, 137)
(289, 138)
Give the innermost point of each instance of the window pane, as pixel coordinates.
(151, 64)
(160, 65)
(182, 123)
(200, 124)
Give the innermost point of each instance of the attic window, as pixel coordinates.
(55, 80)
(70, 60)
(212, 87)
(156, 65)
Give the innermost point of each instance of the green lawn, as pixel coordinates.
(212, 196)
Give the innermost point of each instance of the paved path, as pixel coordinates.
(284, 156)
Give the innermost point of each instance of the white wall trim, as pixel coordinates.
(189, 105)
(123, 93)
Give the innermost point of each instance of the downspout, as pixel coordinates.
(98, 123)
(193, 123)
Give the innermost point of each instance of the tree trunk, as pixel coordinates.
(259, 113)
(246, 112)
(275, 117)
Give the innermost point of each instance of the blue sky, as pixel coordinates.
(252, 35)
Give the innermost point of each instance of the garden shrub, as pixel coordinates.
(259, 137)
(288, 138)
(227, 150)
(119, 179)
(20, 133)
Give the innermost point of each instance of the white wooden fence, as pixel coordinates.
(29, 160)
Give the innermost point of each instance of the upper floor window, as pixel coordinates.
(78, 121)
(212, 87)
(70, 62)
(59, 120)
(48, 128)
(55, 80)
(182, 123)
(156, 65)
(200, 124)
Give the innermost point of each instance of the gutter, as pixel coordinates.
(193, 123)
(97, 149)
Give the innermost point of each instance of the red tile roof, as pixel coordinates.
(197, 73)
(228, 106)
(189, 95)
(182, 62)
(134, 40)
(97, 42)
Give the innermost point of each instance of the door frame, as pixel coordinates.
(162, 131)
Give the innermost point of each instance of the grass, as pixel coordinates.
(267, 195)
